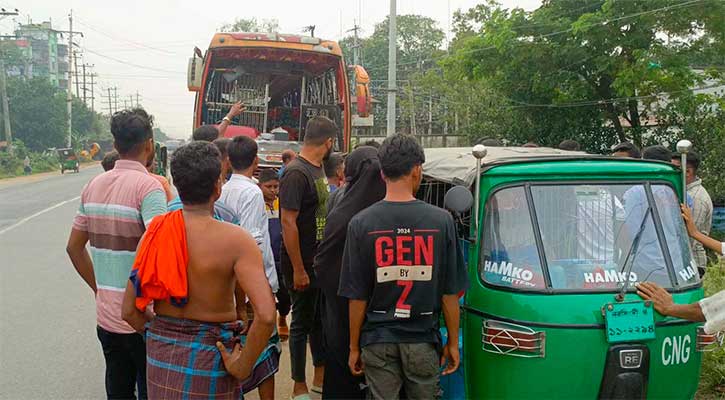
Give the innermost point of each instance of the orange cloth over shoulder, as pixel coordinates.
(160, 269)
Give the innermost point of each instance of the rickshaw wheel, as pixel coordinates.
(62, 171)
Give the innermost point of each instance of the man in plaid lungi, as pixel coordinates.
(189, 265)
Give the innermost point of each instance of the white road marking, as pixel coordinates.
(28, 218)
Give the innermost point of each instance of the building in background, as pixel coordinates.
(44, 53)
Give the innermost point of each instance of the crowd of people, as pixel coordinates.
(193, 291)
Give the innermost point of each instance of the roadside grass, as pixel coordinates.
(712, 376)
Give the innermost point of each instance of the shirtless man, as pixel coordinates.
(188, 265)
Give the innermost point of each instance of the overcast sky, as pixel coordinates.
(144, 46)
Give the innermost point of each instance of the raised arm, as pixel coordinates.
(249, 273)
(237, 108)
(706, 241)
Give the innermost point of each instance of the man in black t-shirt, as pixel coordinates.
(402, 264)
(302, 200)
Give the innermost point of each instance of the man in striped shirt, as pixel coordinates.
(116, 207)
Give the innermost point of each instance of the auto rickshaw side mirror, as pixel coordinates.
(458, 199)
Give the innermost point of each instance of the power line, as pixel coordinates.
(132, 64)
(97, 30)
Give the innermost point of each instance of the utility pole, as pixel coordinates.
(4, 92)
(93, 93)
(392, 65)
(115, 99)
(110, 105)
(6, 112)
(69, 90)
(85, 101)
(356, 45)
(69, 95)
(138, 99)
(75, 68)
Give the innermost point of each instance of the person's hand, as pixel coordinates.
(231, 360)
(661, 299)
(355, 363)
(237, 108)
(689, 223)
(301, 280)
(451, 358)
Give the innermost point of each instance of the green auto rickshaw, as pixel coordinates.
(68, 160)
(555, 244)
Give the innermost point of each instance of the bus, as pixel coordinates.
(283, 80)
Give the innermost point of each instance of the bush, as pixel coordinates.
(13, 165)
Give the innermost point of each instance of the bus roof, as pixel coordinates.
(275, 40)
(458, 166)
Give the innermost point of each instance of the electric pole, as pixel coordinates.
(392, 65)
(6, 112)
(4, 93)
(93, 93)
(115, 99)
(85, 101)
(138, 99)
(110, 105)
(69, 95)
(75, 68)
(356, 45)
(69, 90)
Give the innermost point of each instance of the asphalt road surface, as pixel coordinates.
(48, 344)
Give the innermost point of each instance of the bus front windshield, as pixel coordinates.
(592, 237)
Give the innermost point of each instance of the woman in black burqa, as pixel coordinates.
(364, 187)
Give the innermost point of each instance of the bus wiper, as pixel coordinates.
(627, 269)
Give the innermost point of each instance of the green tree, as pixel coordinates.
(699, 118)
(251, 25)
(571, 67)
(37, 113)
(420, 42)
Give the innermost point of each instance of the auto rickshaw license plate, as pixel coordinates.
(629, 322)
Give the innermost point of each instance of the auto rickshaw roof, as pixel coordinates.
(457, 165)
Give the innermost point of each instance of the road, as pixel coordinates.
(48, 344)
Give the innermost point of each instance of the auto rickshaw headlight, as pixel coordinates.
(512, 339)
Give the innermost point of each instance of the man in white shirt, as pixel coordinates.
(244, 197)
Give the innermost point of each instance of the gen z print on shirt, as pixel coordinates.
(405, 256)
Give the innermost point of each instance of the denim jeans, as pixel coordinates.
(305, 323)
(125, 355)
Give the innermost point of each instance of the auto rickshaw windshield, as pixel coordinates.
(585, 236)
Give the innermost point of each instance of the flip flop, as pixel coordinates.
(316, 389)
(304, 396)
